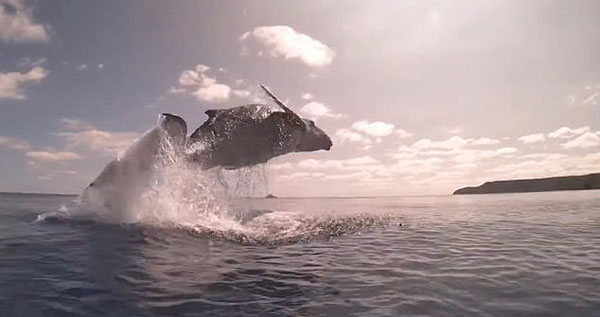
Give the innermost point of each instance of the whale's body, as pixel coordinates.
(250, 135)
(230, 138)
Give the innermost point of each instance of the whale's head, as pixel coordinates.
(313, 138)
(309, 136)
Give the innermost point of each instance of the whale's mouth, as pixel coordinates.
(328, 145)
(322, 142)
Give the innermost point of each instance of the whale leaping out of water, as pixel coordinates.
(230, 138)
(244, 136)
(253, 134)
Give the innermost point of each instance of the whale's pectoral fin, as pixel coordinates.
(211, 113)
(174, 127)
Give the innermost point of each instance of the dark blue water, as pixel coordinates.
(494, 255)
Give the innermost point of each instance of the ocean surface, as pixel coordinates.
(490, 255)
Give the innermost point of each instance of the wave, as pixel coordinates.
(249, 227)
(279, 228)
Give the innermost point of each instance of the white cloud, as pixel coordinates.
(242, 93)
(175, 90)
(17, 24)
(571, 99)
(453, 146)
(567, 133)
(304, 175)
(375, 129)
(404, 152)
(363, 169)
(454, 149)
(282, 166)
(75, 124)
(362, 163)
(544, 156)
(199, 84)
(213, 93)
(506, 150)
(53, 156)
(14, 143)
(416, 166)
(27, 62)
(403, 134)
(454, 142)
(307, 96)
(466, 157)
(315, 110)
(533, 138)
(584, 141)
(548, 164)
(356, 176)
(100, 65)
(311, 164)
(55, 174)
(81, 136)
(591, 99)
(80, 140)
(11, 84)
(485, 141)
(281, 40)
(585, 97)
(362, 160)
(351, 136)
(455, 130)
(108, 143)
(82, 67)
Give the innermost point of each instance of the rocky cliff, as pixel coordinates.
(580, 182)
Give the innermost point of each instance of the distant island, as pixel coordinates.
(270, 196)
(579, 182)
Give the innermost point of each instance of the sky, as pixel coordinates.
(419, 97)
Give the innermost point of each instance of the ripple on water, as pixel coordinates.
(451, 257)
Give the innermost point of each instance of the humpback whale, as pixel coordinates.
(253, 134)
(230, 138)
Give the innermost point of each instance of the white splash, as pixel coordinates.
(153, 184)
(170, 192)
(249, 181)
(181, 194)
